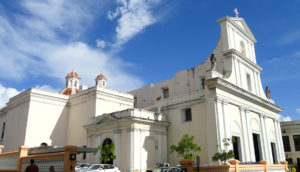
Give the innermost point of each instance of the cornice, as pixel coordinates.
(242, 58)
(127, 119)
(223, 84)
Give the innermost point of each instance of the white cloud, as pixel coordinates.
(42, 42)
(285, 118)
(134, 17)
(6, 94)
(100, 43)
(46, 87)
(298, 111)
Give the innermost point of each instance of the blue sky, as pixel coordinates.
(138, 42)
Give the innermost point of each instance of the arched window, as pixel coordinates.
(243, 49)
(105, 142)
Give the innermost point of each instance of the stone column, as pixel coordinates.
(98, 142)
(165, 148)
(143, 159)
(89, 144)
(269, 150)
(212, 124)
(220, 123)
(136, 149)
(250, 138)
(129, 150)
(244, 139)
(117, 148)
(159, 144)
(264, 141)
(227, 131)
(280, 142)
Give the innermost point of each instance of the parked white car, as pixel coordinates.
(103, 168)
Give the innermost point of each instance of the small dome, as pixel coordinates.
(101, 76)
(72, 74)
(68, 91)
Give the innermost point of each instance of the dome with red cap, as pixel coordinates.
(101, 76)
(72, 74)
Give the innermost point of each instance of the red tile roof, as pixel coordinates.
(68, 91)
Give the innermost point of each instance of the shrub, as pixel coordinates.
(186, 147)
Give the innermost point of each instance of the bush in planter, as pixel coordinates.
(224, 156)
(186, 147)
(107, 152)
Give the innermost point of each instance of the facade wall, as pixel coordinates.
(47, 119)
(16, 122)
(197, 127)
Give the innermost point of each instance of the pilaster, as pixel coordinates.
(245, 139)
(250, 137)
(117, 148)
(264, 141)
(129, 151)
(278, 150)
(269, 150)
(98, 142)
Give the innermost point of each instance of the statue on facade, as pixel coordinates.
(236, 13)
(268, 92)
(213, 62)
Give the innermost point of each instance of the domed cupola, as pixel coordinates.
(101, 80)
(72, 83)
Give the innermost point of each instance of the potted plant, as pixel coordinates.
(224, 155)
(186, 149)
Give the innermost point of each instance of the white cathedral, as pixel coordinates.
(221, 98)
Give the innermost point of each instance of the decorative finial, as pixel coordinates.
(236, 13)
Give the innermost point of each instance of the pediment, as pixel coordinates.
(104, 119)
(240, 22)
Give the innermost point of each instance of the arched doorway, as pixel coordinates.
(106, 142)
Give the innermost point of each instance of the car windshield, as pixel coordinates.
(86, 166)
(158, 165)
(82, 165)
(94, 167)
(108, 167)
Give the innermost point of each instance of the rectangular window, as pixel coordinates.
(165, 92)
(135, 102)
(187, 115)
(236, 143)
(297, 142)
(201, 85)
(289, 160)
(274, 153)
(249, 82)
(286, 143)
(257, 147)
(3, 130)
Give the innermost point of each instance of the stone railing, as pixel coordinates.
(235, 166)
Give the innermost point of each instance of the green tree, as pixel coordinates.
(186, 147)
(224, 156)
(107, 152)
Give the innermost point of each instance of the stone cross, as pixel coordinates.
(236, 13)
